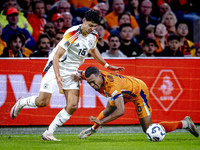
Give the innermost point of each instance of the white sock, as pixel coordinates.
(185, 124)
(59, 120)
(29, 101)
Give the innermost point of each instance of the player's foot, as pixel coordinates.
(87, 132)
(191, 126)
(48, 136)
(16, 109)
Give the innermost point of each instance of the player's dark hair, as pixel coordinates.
(91, 70)
(93, 16)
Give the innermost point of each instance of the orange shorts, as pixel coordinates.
(141, 102)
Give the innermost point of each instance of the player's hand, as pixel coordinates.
(115, 68)
(94, 119)
(60, 81)
(76, 77)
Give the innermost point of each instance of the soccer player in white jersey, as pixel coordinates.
(65, 60)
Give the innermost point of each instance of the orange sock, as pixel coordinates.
(171, 126)
(101, 116)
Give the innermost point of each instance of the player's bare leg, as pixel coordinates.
(72, 99)
(43, 99)
(145, 122)
(34, 101)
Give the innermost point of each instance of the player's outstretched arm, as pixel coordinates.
(95, 53)
(115, 68)
(119, 111)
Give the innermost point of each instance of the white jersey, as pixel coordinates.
(77, 47)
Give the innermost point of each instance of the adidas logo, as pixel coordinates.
(77, 45)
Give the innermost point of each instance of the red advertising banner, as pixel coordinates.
(174, 86)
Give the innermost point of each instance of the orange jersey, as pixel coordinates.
(132, 89)
(116, 85)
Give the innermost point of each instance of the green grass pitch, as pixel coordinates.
(100, 141)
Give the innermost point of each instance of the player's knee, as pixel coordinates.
(73, 107)
(42, 103)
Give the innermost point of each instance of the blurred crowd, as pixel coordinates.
(128, 28)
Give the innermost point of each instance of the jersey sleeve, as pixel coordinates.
(113, 90)
(69, 37)
(96, 39)
(83, 75)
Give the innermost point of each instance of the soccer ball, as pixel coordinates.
(155, 132)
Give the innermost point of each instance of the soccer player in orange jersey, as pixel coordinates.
(122, 89)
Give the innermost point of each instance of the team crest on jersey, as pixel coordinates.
(67, 43)
(111, 79)
(90, 43)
